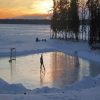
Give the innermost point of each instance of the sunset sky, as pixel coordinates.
(14, 8)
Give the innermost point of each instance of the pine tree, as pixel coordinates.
(94, 9)
(74, 18)
(54, 19)
(65, 18)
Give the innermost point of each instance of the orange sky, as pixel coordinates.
(14, 8)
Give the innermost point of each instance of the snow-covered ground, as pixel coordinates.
(22, 37)
(24, 42)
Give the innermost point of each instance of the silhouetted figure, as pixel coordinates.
(41, 62)
(44, 40)
(37, 39)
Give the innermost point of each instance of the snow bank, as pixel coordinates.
(87, 89)
(11, 88)
(86, 83)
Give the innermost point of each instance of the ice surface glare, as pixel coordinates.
(61, 70)
(84, 68)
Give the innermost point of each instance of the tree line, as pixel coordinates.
(65, 20)
(64, 14)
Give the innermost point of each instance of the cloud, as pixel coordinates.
(21, 7)
(13, 12)
(41, 6)
(15, 3)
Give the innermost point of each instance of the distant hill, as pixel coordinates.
(25, 21)
(32, 21)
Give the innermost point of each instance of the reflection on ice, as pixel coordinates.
(42, 76)
(60, 70)
(84, 68)
(13, 70)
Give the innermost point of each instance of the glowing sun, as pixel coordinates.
(42, 7)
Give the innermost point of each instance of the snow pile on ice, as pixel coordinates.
(87, 89)
(46, 90)
(11, 88)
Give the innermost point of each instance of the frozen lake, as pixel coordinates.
(61, 70)
(21, 36)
